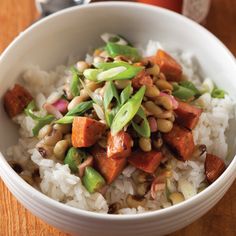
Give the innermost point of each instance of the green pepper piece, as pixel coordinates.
(42, 121)
(143, 129)
(92, 180)
(127, 111)
(218, 93)
(74, 86)
(182, 93)
(115, 49)
(73, 158)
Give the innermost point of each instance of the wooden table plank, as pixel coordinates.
(15, 220)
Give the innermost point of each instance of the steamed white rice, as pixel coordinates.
(57, 180)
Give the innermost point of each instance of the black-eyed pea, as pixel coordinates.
(151, 107)
(152, 91)
(60, 149)
(121, 84)
(98, 59)
(52, 138)
(165, 115)
(163, 85)
(82, 66)
(45, 151)
(154, 70)
(68, 138)
(93, 86)
(45, 130)
(145, 144)
(64, 128)
(164, 125)
(164, 101)
(77, 100)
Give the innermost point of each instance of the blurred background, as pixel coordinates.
(16, 15)
(218, 16)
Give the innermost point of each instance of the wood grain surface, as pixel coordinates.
(15, 220)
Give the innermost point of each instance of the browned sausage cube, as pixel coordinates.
(86, 131)
(110, 168)
(16, 99)
(168, 65)
(180, 141)
(146, 161)
(119, 145)
(187, 115)
(214, 167)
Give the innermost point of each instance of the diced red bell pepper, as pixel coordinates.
(168, 65)
(146, 161)
(86, 131)
(119, 145)
(187, 115)
(109, 168)
(180, 142)
(16, 99)
(214, 167)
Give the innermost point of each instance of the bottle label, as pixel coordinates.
(196, 10)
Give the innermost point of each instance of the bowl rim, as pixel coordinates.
(108, 217)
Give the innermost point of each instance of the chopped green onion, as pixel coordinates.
(92, 180)
(109, 94)
(42, 121)
(91, 74)
(108, 71)
(77, 111)
(115, 49)
(110, 74)
(127, 111)
(29, 110)
(182, 93)
(218, 93)
(80, 108)
(207, 86)
(189, 85)
(110, 114)
(130, 72)
(97, 98)
(74, 86)
(125, 94)
(65, 120)
(143, 129)
(108, 37)
(73, 158)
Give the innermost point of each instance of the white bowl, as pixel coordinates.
(49, 42)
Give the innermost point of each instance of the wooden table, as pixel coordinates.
(15, 220)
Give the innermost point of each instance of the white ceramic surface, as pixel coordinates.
(49, 42)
